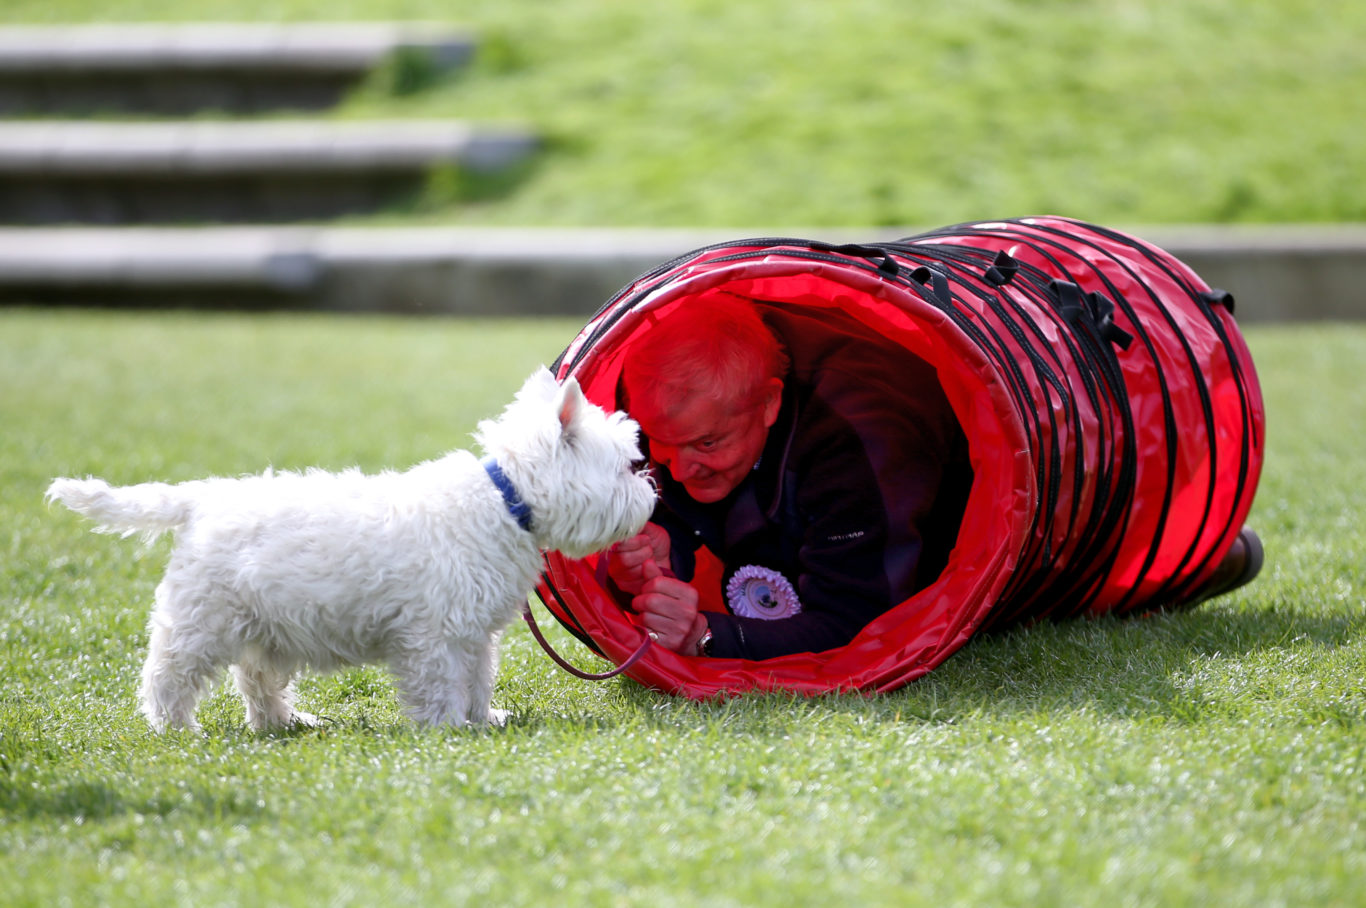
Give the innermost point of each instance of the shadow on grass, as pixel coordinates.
(1134, 666)
(1139, 668)
(90, 799)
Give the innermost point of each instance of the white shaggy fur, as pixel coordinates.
(421, 570)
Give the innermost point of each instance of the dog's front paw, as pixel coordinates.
(304, 720)
(282, 721)
(498, 718)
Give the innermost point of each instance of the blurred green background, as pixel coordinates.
(1209, 758)
(872, 112)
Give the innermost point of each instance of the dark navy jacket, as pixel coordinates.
(856, 500)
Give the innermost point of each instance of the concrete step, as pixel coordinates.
(175, 69)
(108, 173)
(1276, 273)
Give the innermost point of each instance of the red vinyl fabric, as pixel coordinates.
(1112, 411)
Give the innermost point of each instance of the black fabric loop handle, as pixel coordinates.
(1003, 270)
(1216, 297)
(937, 281)
(1102, 310)
(1097, 308)
(880, 257)
(1067, 296)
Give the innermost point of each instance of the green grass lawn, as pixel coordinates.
(1212, 758)
(767, 113)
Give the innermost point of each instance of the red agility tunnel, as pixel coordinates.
(1113, 416)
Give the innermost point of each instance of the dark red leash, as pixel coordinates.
(579, 673)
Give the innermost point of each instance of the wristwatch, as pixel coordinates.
(703, 645)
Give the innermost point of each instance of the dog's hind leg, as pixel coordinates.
(264, 684)
(182, 662)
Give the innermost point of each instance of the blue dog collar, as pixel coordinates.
(519, 509)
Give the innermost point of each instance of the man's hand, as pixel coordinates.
(626, 560)
(668, 611)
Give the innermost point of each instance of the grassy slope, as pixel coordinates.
(873, 112)
(1211, 758)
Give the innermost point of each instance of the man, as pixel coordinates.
(829, 484)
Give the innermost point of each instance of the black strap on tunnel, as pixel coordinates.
(1097, 309)
(938, 283)
(879, 257)
(1216, 297)
(1002, 270)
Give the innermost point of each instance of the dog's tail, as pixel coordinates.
(149, 509)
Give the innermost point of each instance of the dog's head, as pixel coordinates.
(577, 467)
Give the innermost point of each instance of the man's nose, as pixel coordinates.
(683, 468)
(664, 455)
(680, 466)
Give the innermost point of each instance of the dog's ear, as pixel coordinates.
(571, 401)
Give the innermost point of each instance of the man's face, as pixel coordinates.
(707, 444)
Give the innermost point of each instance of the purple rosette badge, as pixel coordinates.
(757, 592)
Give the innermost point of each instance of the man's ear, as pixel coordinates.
(570, 401)
(772, 400)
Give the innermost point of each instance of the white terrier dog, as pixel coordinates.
(421, 570)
